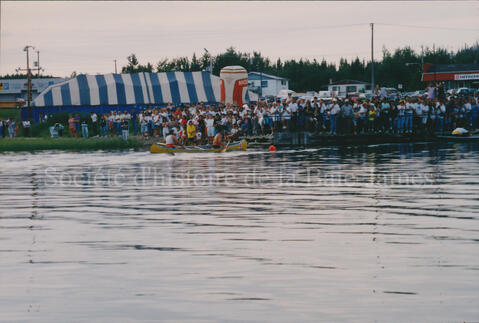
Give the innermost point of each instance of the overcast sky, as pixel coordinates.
(87, 36)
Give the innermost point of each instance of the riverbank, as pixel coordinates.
(282, 139)
(76, 144)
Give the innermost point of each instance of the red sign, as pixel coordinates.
(243, 82)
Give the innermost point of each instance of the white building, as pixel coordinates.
(14, 90)
(345, 88)
(270, 84)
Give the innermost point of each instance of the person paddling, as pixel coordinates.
(171, 141)
(218, 141)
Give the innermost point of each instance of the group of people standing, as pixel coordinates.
(110, 124)
(198, 124)
(8, 128)
(400, 115)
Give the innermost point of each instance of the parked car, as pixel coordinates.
(283, 94)
(324, 94)
(463, 91)
(392, 93)
(419, 93)
(366, 96)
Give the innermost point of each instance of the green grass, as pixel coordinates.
(9, 113)
(76, 144)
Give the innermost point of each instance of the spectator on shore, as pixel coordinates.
(84, 129)
(76, 122)
(94, 123)
(431, 91)
(347, 115)
(334, 112)
(59, 128)
(103, 125)
(134, 121)
(125, 129)
(26, 128)
(12, 128)
(409, 115)
(71, 125)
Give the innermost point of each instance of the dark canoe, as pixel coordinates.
(457, 138)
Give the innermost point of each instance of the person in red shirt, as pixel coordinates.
(71, 125)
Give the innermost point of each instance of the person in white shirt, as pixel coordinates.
(285, 117)
(293, 110)
(333, 115)
(468, 113)
(292, 107)
(424, 115)
(431, 91)
(156, 124)
(400, 117)
(117, 122)
(363, 116)
(409, 110)
(210, 129)
(94, 123)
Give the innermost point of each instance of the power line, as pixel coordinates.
(429, 27)
(327, 27)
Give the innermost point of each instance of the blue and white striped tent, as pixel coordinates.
(132, 89)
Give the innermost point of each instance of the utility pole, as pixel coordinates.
(373, 87)
(38, 63)
(422, 57)
(115, 67)
(29, 81)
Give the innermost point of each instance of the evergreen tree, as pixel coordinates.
(305, 74)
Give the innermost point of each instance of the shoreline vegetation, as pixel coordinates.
(30, 144)
(306, 74)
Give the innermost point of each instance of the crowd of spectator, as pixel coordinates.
(198, 124)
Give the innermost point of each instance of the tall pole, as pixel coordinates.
(422, 57)
(38, 62)
(29, 86)
(29, 80)
(115, 67)
(373, 87)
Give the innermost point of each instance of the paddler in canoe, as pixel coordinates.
(171, 141)
(218, 140)
(172, 145)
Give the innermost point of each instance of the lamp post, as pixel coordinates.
(372, 58)
(29, 80)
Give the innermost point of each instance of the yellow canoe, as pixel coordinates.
(160, 148)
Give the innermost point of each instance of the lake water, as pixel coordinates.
(362, 234)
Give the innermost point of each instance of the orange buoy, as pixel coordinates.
(272, 148)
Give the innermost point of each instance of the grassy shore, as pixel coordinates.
(9, 113)
(75, 144)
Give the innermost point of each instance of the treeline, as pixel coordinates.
(305, 74)
(23, 76)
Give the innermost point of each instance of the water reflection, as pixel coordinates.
(319, 233)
